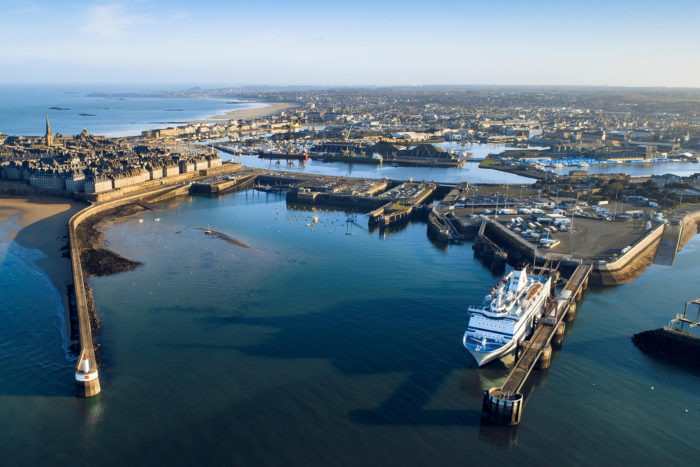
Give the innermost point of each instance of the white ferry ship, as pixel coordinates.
(506, 316)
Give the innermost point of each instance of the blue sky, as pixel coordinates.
(629, 43)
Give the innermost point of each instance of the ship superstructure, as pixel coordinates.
(506, 316)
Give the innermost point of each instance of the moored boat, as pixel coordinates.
(507, 315)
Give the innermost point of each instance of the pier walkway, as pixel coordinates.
(504, 405)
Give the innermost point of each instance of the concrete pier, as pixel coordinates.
(499, 405)
(545, 358)
(488, 251)
(668, 245)
(558, 337)
(500, 408)
(86, 370)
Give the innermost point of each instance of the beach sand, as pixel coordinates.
(271, 108)
(42, 224)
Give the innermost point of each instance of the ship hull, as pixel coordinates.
(492, 335)
(482, 358)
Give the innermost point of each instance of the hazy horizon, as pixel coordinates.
(221, 44)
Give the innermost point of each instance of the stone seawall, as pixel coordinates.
(331, 199)
(623, 270)
(689, 226)
(86, 368)
(153, 184)
(17, 188)
(630, 265)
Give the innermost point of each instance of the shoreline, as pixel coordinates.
(250, 113)
(41, 223)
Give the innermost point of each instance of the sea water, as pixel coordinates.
(23, 110)
(313, 347)
(469, 172)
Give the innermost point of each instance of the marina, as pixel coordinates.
(270, 297)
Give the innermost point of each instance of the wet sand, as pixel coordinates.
(42, 224)
(271, 108)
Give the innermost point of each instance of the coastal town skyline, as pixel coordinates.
(349, 233)
(359, 43)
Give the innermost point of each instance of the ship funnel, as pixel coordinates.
(518, 280)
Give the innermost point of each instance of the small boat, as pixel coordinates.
(157, 219)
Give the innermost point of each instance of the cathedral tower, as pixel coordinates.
(49, 135)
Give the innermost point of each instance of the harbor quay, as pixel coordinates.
(508, 224)
(603, 230)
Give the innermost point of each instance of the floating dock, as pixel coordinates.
(503, 405)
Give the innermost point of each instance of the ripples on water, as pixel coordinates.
(33, 335)
(325, 349)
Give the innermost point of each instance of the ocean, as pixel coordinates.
(23, 110)
(313, 347)
(321, 348)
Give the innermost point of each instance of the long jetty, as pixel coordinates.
(86, 370)
(503, 405)
(86, 373)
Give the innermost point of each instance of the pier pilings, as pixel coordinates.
(500, 408)
(503, 405)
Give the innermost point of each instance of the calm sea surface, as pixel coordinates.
(23, 110)
(320, 348)
(469, 172)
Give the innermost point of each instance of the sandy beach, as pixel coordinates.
(42, 224)
(270, 108)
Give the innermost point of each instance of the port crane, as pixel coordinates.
(347, 133)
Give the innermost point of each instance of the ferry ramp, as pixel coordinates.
(668, 245)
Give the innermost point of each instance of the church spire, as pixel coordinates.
(49, 135)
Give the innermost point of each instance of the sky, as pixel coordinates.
(260, 42)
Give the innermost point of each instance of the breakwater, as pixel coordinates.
(86, 371)
(503, 405)
(680, 348)
(83, 253)
(371, 359)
